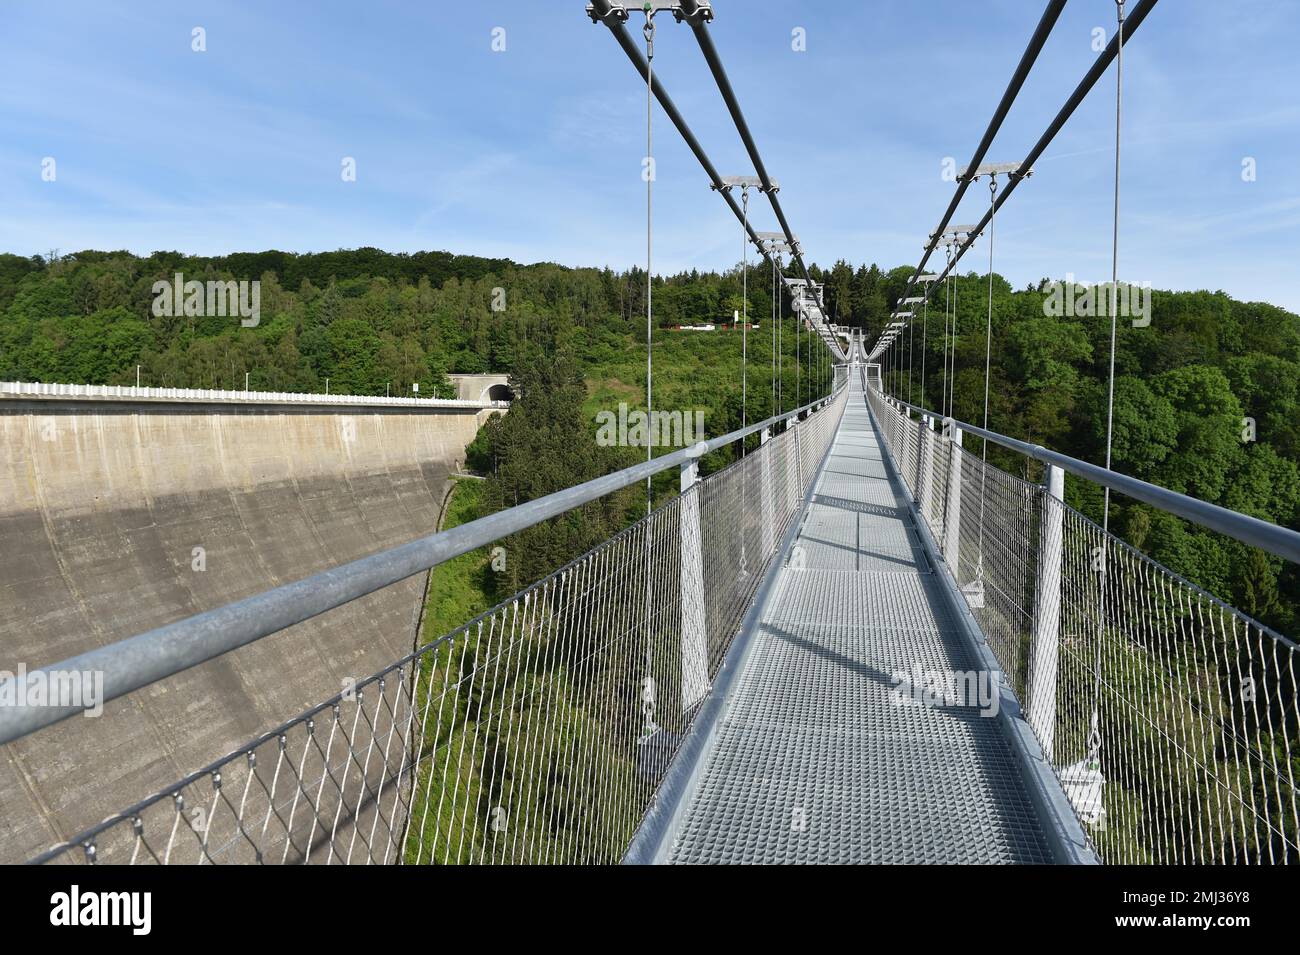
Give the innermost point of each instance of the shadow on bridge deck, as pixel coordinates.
(824, 754)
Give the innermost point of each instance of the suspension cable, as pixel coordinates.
(952, 392)
(780, 367)
(897, 346)
(947, 303)
(1114, 255)
(744, 352)
(988, 325)
(772, 379)
(744, 306)
(1094, 731)
(988, 353)
(1035, 46)
(691, 10)
(1098, 68)
(776, 323)
(949, 338)
(649, 32)
(925, 321)
(601, 11)
(648, 689)
(910, 395)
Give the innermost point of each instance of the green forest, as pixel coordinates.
(371, 322)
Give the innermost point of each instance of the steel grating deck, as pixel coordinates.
(818, 758)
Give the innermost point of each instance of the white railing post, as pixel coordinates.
(1046, 643)
(695, 654)
(793, 425)
(925, 467)
(765, 490)
(952, 523)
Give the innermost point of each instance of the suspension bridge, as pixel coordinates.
(858, 642)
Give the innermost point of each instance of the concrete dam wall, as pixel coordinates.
(118, 515)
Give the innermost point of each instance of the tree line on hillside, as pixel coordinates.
(363, 318)
(371, 321)
(1206, 403)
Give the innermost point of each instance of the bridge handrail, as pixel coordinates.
(1157, 705)
(1280, 541)
(146, 658)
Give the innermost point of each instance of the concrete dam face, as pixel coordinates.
(119, 515)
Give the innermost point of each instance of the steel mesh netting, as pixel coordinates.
(1195, 753)
(998, 544)
(330, 785)
(538, 732)
(1170, 719)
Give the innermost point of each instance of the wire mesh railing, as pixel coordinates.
(536, 733)
(1170, 718)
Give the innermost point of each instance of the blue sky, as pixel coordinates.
(534, 153)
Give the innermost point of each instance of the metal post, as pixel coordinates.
(1046, 644)
(695, 655)
(952, 523)
(900, 434)
(769, 531)
(793, 426)
(924, 466)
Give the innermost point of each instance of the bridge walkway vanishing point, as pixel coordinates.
(824, 755)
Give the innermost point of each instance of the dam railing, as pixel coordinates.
(537, 732)
(55, 390)
(1170, 718)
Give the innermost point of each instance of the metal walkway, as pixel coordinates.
(821, 757)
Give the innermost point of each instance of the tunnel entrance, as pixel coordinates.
(500, 393)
